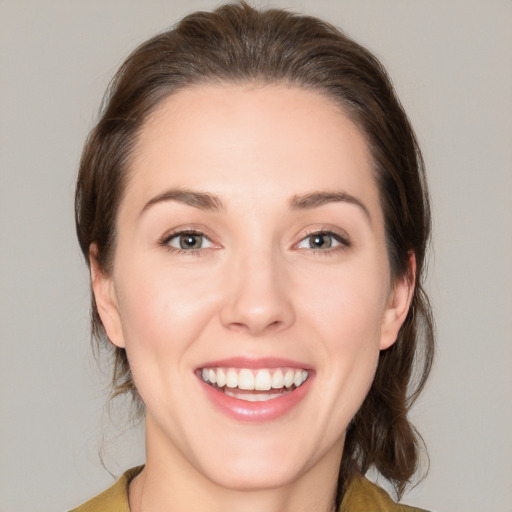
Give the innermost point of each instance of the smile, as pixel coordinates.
(254, 385)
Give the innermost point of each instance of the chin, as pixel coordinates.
(258, 463)
(250, 475)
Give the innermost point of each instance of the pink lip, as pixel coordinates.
(253, 363)
(256, 412)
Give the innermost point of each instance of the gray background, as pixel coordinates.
(452, 65)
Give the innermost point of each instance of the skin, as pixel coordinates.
(255, 288)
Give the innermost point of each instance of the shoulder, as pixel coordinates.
(114, 499)
(364, 496)
(361, 496)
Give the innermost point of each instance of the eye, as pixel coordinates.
(322, 240)
(188, 241)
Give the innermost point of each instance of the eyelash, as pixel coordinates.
(342, 241)
(165, 241)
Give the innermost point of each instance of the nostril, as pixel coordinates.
(255, 328)
(237, 326)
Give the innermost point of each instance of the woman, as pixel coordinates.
(253, 210)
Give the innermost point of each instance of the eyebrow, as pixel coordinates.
(316, 199)
(208, 201)
(201, 200)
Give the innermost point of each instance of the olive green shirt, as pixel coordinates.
(361, 496)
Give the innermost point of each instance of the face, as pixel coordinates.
(251, 286)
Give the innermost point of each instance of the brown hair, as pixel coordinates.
(238, 44)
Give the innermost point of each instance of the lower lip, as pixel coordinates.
(256, 412)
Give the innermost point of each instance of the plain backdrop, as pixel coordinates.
(451, 62)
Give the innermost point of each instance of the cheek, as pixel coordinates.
(162, 315)
(162, 308)
(347, 304)
(347, 316)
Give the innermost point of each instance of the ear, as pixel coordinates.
(398, 305)
(106, 300)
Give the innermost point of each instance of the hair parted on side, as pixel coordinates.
(239, 44)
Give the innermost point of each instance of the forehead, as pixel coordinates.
(232, 139)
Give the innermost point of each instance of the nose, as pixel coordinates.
(258, 298)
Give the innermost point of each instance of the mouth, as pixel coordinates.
(254, 385)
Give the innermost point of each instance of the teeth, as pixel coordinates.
(231, 378)
(278, 380)
(245, 379)
(289, 378)
(221, 378)
(254, 380)
(253, 397)
(263, 380)
(297, 378)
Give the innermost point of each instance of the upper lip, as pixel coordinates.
(255, 363)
